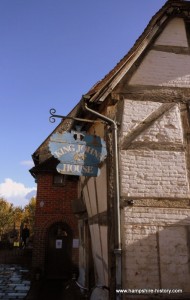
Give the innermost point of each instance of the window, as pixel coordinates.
(59, 180)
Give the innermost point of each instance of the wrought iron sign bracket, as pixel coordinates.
(53, 116)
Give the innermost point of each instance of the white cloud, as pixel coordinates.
(28, 163)
(15, 192)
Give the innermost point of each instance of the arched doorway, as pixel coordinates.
(59, 251)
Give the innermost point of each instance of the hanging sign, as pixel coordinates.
(79, 153)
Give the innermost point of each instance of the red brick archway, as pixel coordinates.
(53, 205)
(41, 239)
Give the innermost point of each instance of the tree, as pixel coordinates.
(29, 214)
(17, 216)
(6, 216)
(12, 217)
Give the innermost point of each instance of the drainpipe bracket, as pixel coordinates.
(117, 251)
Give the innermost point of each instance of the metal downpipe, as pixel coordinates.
(117, 218)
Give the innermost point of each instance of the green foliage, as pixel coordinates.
(29, 214)
(6, 216)
(12, 217)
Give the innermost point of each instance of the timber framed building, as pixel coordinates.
(142, 241)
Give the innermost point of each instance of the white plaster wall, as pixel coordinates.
(95, 193)
(146, 173)
(174, 34)
(135, 112)
(163, 69)
(101, 187)
(155, 248)
(153, 173)
(155, 216)
(140, 260)
(99, 250)
(86, 195)
(174, 257)
(167, 128)
(95, 197)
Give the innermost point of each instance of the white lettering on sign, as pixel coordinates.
(93, 152)
(79, 153)
(63, 150)
(75, 169)
(77, 148)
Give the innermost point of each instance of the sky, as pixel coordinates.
(51, 53)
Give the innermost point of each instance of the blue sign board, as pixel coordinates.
(79, 153)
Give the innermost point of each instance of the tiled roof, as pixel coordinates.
(170, 8)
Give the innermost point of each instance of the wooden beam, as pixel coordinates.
(184, 110)
(171, 49)
(151, 93)
(157, 146)
(135, 132)
(155, 202)
(101, 219)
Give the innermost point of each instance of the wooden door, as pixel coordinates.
(59, 251)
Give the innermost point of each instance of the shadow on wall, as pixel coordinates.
(157, 257)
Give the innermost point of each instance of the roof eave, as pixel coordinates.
(170, 8)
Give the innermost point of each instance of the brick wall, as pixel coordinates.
(154, 169)
(157, 165)
(155, 248)
(136, 111)
(153, 174)
(53, 205)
